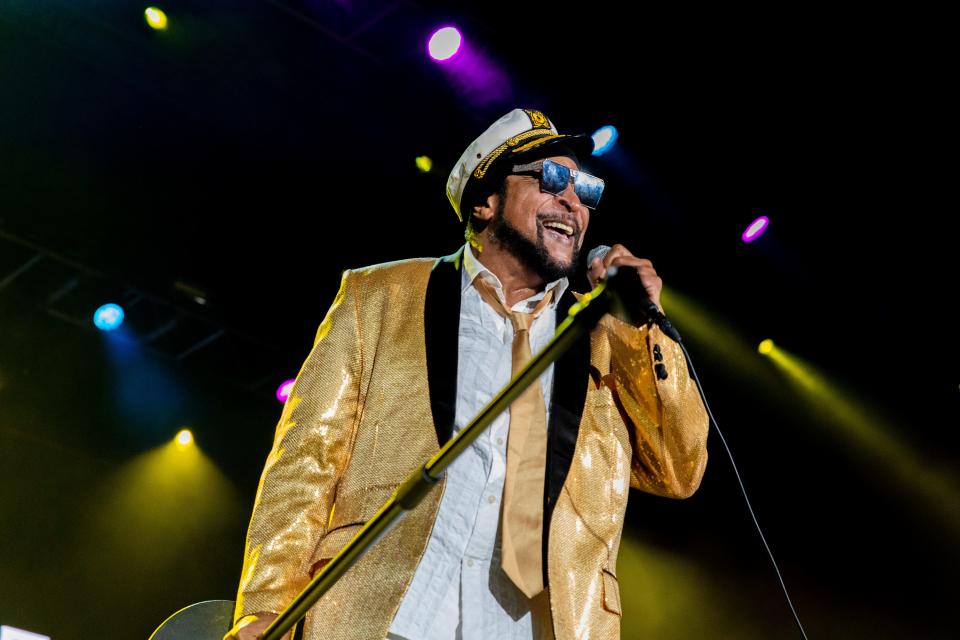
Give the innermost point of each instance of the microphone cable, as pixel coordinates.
(743, 489)
(657, 317)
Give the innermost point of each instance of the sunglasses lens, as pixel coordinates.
(589, 189)
(555, 178)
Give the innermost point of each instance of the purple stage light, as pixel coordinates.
(444, 44)
(283, 391)
(756, 229)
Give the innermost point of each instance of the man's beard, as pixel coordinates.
(533, 254)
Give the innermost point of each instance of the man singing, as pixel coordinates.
(520, 538)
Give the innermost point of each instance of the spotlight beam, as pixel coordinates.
(873, 436)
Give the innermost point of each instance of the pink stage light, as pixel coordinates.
(444, 44)
(756, 229)
(283, 391)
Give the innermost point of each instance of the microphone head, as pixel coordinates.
(599, 251)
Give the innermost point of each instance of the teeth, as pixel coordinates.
(559, 226)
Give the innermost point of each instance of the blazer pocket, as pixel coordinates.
(611, 592)
(331, 544)
(359, 504)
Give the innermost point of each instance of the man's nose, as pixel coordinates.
(568, 197)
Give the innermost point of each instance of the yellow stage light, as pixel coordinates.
(156, 18)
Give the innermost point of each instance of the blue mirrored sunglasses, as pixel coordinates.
(554, 178)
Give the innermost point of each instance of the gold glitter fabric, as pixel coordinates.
(637, 431)
(359, 420)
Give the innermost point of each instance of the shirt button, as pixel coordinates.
(470, 563)
(499, 440)
(491, 499)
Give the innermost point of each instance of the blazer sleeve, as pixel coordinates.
(659, 402)
(310, 449)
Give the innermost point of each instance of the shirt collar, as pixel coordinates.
(473, 268)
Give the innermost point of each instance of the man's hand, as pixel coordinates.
(621, 257)
(252, 627)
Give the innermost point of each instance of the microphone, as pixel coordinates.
(632, 294)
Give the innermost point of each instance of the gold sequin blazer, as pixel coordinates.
(375, 399)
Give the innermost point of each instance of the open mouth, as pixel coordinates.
(561, 230)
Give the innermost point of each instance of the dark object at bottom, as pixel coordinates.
(209, 620)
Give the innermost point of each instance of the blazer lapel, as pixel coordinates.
(441, 324)
(566, 409)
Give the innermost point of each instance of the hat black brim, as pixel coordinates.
(581, 145)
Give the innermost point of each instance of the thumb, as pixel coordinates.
(596, 271)
(241, 623)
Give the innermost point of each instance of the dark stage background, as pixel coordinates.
(255, 149)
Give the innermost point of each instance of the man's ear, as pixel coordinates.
(484, 210)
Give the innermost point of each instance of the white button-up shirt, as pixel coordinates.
(459, 591)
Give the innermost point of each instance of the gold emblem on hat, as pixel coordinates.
(537, 119)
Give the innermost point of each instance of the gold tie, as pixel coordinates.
(522, 525)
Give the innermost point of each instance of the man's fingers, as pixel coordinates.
(630, 261)
(616, 251)
(619, 256)
(252, 626)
